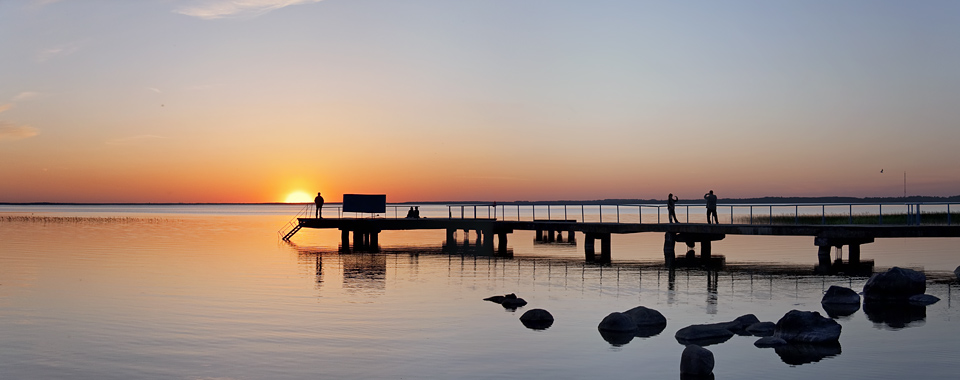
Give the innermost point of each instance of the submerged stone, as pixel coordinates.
(696, 360)
(537, 319)
(840, 295)
(895, 284)
(923, 300)
(807, 327)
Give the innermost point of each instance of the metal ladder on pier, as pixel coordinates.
(292, 226)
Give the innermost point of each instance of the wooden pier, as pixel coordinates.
(366, 231)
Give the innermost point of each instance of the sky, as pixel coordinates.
(476, 100)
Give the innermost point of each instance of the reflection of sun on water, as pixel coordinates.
(298, 197)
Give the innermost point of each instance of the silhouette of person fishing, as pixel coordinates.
(711, 206)
(319, 201)
(672, 208)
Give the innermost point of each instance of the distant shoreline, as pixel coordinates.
(762, 200)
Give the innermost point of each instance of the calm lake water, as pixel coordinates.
(211, 292)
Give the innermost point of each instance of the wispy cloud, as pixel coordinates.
(57, 51)
(214, 9)
(134, 140)
(10, 131)
(26, 95)
(154, 89)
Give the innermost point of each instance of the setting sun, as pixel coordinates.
(298, 197)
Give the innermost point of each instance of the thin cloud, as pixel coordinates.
(26, 95)
(11, 132)
(214, 9)
(4, 107)
(154, 89)
(134, 140)
(57, 51)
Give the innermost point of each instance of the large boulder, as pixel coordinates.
(696, 361)
(704, 335)
(807, 327)
(740, 324)
(617, 322)
(644, 316)
(895, 284)
(537, 319)
(762, 329)
(840, 295)
(649, 321)
(617, 328)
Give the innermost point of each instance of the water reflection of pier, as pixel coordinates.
(371, 273)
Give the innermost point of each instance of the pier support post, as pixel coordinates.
(345, 239)
(853, 254)
(605, 247)
(823, 256)
(502, 243)
(375, 240)
(538, 236)
(357, 240)
(669, 248)
(551, 236)
(705, 250)
(588, 246)
(451, 236)
(571, 237)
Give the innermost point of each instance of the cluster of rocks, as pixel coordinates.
(895, 297)
(508, 301)
(620, 328)
(536, 319)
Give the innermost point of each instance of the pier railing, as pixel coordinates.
(913, 213)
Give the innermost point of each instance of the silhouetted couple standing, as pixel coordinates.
(711, 207)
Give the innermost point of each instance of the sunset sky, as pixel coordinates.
(446, 100)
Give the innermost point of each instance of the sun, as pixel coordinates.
(298, 197)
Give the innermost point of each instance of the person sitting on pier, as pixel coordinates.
(672, 208)
(410, 214)
(319, 202)
(711, 206)
(416, 212)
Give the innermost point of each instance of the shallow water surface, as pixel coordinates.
(202, 294)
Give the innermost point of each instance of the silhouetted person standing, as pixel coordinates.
(672, 208)
(319, 201)
(711, 206)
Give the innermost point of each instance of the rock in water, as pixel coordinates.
(762, 329)
(513, 303)
(496, 299)
(923, 300)
(807, 327)
(704, 335)
(957, 272)
(840, 295)
(537, 319)
(696, 361)
(617, 322)
(895, 284)
(769, 341)
(644, 316)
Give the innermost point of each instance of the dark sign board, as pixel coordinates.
(374, 204)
